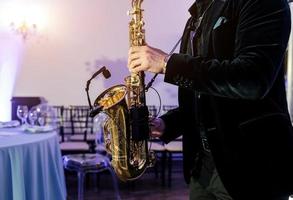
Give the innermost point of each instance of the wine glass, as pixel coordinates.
(42, 119)
(33, 116)
(22, 113)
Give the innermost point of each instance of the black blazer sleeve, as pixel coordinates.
(173, 126)
(261, 30)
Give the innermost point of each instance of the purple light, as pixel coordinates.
(11, 52)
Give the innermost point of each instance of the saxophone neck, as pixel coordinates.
(136, 3)
(136, 30)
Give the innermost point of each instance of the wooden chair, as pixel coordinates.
(65, 124)
(153, 112)
(158, 147)
(172, 148)
(59, 119)
(166, 108)
(81, 124)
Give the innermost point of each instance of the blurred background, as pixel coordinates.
(50, 48)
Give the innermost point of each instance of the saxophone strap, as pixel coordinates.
(169, 54)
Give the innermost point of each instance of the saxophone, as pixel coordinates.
(126, 130)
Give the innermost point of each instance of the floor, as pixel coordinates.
(148, 187)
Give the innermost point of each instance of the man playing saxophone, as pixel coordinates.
(237, 133)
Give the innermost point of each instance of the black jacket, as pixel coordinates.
(236, 88)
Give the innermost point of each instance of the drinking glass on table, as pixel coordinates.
(33, 116)
(22, 113)
(42, 119)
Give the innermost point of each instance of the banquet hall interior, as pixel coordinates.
(53, 58)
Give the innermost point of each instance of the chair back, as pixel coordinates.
(59, 118)
(153, 112)
(81, 122)
(166, 108)
(73, 120)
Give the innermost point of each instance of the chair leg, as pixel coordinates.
(156, 170)
(163, 165)
(80, 185)
(98, 180)
(169, 169)
(115, 183)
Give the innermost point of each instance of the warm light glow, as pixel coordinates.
(24, 19)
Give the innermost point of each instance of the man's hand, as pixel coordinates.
(157, 126)
(146, 58)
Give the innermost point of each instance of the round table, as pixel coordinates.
(30, 166)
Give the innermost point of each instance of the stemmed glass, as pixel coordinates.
(22, 113)
(42, 119)
(33, 116)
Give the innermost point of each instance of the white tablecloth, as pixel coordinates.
(30, 166)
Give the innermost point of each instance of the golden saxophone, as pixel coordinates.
(126, 131)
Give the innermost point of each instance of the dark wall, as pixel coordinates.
(29, 101)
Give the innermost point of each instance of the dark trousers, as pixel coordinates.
(207, 185)
(213, 191)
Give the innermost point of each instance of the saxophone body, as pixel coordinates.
(126, 130)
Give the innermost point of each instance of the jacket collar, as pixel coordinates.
(198, 7)
(193, 10)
